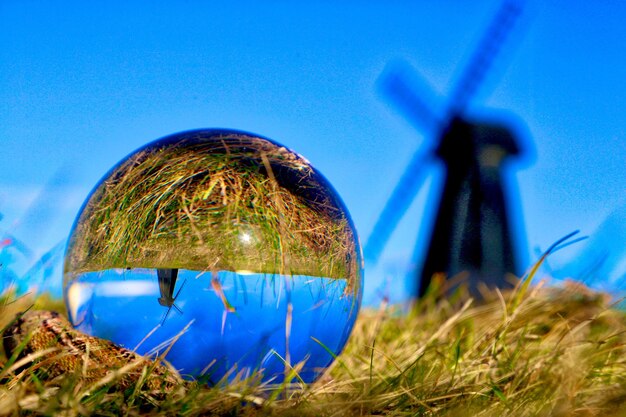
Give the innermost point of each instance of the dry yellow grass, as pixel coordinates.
(543, 352)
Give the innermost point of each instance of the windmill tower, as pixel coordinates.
(471, 234)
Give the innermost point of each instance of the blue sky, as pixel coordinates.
(82, 84)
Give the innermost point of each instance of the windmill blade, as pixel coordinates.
(485, 54)
(410, 94)
(397, 205)
(167, 313)
(177, 309)
(181, 288)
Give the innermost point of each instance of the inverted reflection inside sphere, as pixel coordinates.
(228, 241)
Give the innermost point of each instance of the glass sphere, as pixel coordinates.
(226, 243)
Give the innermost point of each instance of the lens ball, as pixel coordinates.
(222, 248)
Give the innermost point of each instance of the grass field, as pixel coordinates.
(534, 351)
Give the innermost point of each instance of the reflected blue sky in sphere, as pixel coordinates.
(122, 306)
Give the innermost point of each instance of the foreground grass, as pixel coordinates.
(556, 352)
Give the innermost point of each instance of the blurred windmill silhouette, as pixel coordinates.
(471, 233)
